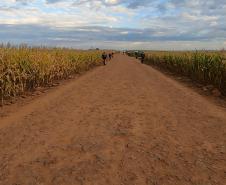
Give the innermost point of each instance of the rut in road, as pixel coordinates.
(120, 124)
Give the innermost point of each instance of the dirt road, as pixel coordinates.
(122, 124)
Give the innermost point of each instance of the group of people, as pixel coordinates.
(106, 57)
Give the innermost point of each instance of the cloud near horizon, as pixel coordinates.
(117, 24)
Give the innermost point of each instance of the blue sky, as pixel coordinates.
(116, 24)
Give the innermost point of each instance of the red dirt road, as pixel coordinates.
(122, 124)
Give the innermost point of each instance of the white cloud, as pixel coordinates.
(112, 2)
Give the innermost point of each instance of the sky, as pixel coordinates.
(115, 24)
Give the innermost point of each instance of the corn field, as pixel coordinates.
(208, 68)
(24, 69)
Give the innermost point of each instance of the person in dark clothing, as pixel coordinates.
(142, 57)
(104, 57)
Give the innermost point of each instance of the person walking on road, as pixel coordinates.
(104, 57)
(110, 56)
(142, 57)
